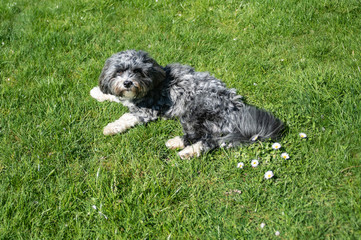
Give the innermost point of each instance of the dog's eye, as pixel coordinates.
(119, 73)
(138, 71)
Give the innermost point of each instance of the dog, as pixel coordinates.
(211, 114)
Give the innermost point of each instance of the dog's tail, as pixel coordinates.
(253, 125)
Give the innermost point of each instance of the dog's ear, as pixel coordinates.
(104, 78)
(156, 72)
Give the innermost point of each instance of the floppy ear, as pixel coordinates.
(105, 77)
(156, 72)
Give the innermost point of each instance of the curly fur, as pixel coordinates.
(211, 114)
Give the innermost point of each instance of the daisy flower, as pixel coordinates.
(303, 135)
(285, 156)
(262, 225)
(268, 175)
(254, 163)
(277, 233)
(240, 165)
(276, 146)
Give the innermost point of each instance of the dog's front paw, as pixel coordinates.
(175, 143)
(97, 94)
(194, 150)
(112, 129)
(121, 125)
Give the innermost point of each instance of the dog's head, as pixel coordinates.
(130, 74)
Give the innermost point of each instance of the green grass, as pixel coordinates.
(299, 59)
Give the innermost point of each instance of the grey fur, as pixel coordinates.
(208, 111)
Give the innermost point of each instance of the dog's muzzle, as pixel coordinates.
(127, 84)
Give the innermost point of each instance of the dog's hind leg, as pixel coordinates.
(175, 143)
(193, 150)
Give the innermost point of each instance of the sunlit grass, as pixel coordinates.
(61, 178)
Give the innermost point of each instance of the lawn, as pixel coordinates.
(61, 178)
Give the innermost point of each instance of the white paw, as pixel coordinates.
(194, 150)
(101, 97)
(121, 125)
(112, 129)
(175, 143)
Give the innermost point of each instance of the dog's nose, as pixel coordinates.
(127, 84)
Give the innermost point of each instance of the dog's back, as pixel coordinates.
(213, 113)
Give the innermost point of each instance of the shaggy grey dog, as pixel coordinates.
(211, 114)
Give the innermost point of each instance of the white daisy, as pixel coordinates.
(254, 163)
(240, 165)
(276, 146)
(268, 175)
(277, 233)
(285, 156)
(262, 225)
(303, 135)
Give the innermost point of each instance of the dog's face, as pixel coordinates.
(130, 74)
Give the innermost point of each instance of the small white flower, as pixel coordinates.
(285, 156)
(262, 225)
(277, 233)
(240, 165)
(234, 39)
(268, 175)
(3, 43)
(254, 163)
(276, 146)
(303, 135)
(95, 207)
(254, 84)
